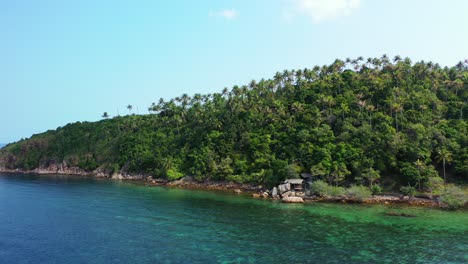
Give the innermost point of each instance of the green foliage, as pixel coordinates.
(239, 178)
(358, 192)
(173, 174)
(115, 168)
(350, 122)
(292, 171)
(375, 189)
(371, 175)
(435, 184)
(335, 191)
(454, 197)
(408, 190)
(321, 188)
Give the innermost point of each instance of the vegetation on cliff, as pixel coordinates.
(357, 121)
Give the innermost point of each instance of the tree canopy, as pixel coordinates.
(354, 121)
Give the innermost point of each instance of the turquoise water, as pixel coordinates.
(65, 219)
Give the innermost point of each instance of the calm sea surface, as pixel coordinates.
(65, 219)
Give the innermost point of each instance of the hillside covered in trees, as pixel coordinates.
(355, 121)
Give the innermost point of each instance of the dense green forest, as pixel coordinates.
(376, 120)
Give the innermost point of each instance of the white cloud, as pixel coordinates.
(226, 14)
(322, 10)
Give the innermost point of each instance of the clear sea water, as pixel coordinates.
(69, 219)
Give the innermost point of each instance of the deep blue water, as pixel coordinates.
(66, 219)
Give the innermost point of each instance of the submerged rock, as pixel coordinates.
(399, 214)
(292, 200)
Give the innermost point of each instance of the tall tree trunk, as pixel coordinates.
(445, 178)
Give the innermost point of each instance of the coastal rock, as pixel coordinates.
(117, 176)
(256, 195)
(286, 194)
(149, 178)
(237, 191)
(274, 192)
(300, 194)
(292, 200)
(284, 187)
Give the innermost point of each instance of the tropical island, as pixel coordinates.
(357, 127)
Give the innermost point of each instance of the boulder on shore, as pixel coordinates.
(274, 192)
(117, 176)
(292, 200)
(284, 187)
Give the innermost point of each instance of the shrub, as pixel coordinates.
(319, 188)
(115, 168)
(435, 184)
(454, 197)
(376, 189)
(335, 191)
(239, 178)
(173, 174)
(358, 192)
(408, 191)
(322, 188)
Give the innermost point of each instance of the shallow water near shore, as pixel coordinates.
(69, 219)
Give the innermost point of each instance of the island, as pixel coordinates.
(359, 127)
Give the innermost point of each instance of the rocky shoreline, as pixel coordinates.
(260, 192)
(255, 191)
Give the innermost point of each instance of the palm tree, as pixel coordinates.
(184, 100)
(370, 108)
(225, 92)
(446, 157)
(129, 107)
(420, 165)
(396, 106)
(278, 79)
(397, 59)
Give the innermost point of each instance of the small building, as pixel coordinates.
(296, 184)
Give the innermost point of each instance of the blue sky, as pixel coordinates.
(66, 61)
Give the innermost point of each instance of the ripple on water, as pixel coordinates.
(84, 220)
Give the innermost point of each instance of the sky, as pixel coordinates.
(66, 61)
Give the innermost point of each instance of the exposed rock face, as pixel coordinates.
(117, 176)
(284, 187)
(274, 192)
(286, 194)
(300, 194)
(64, 169)
(292, 200)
